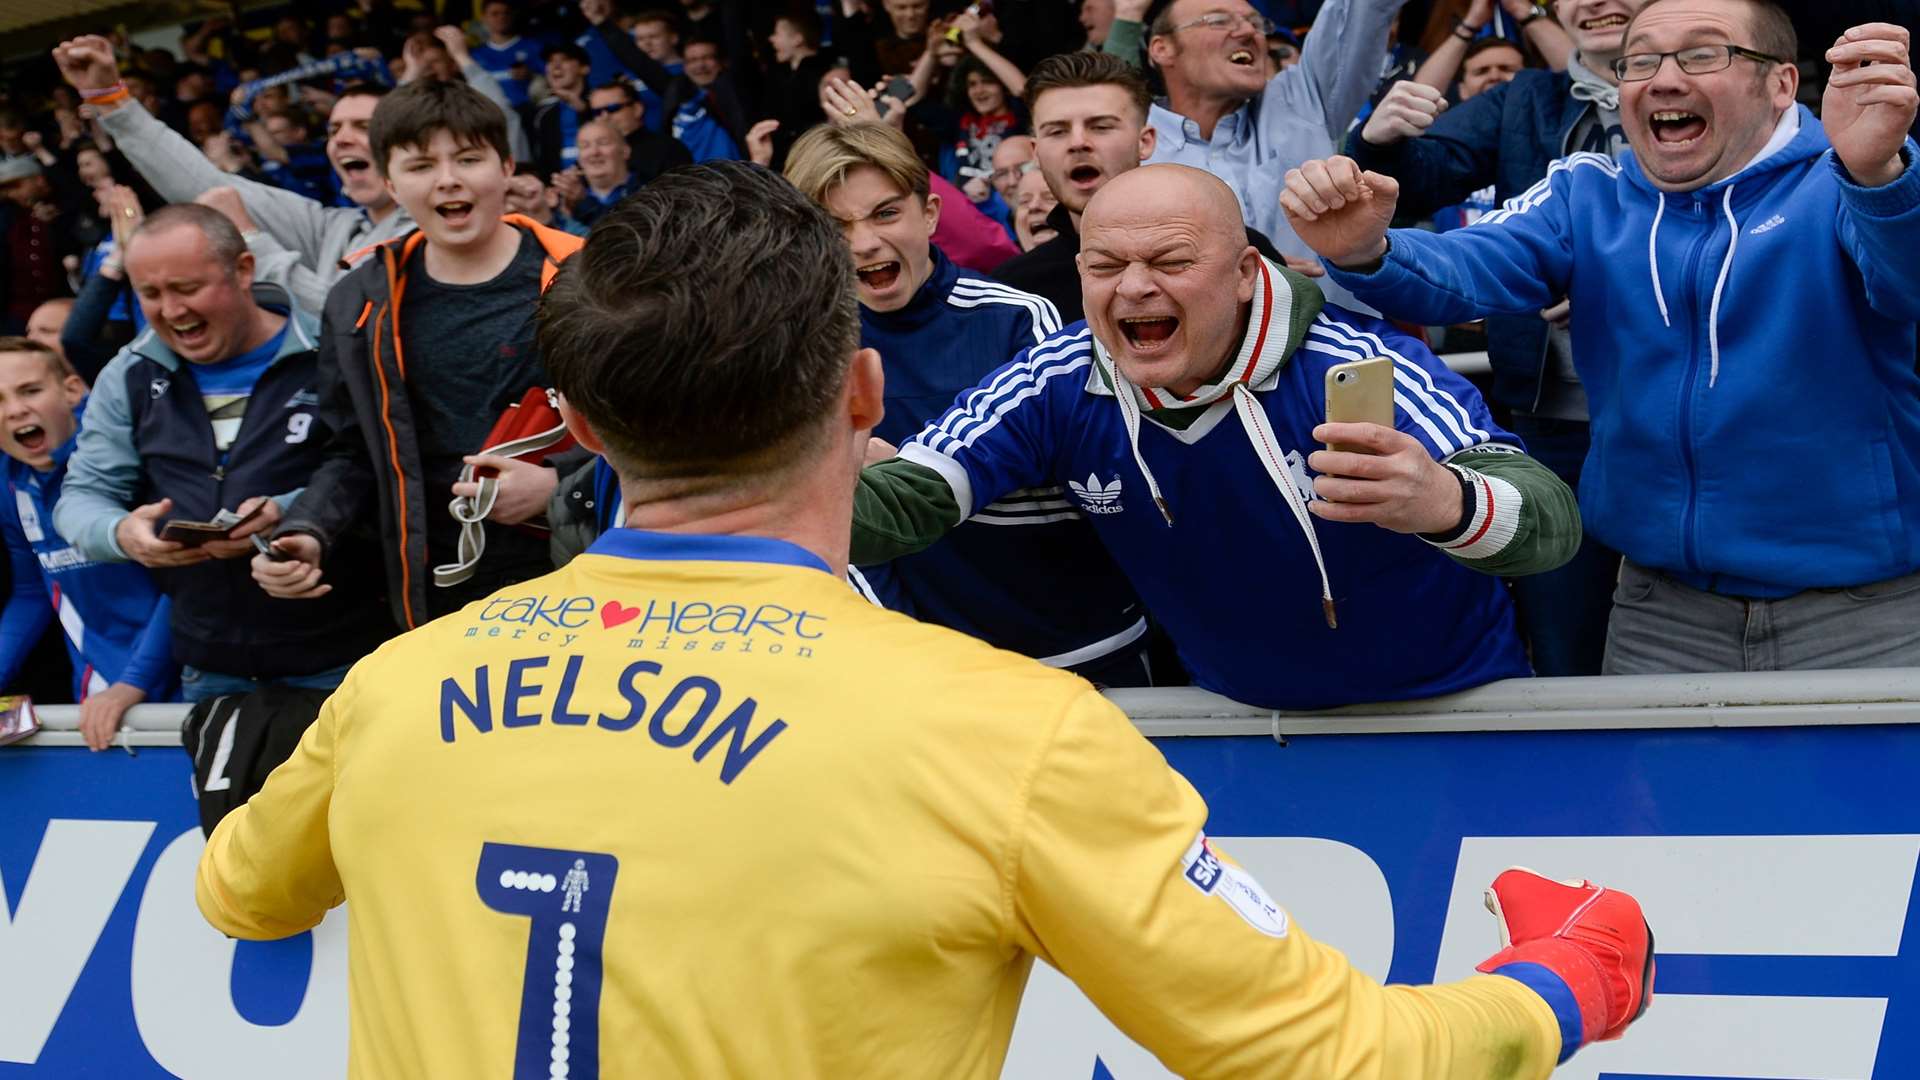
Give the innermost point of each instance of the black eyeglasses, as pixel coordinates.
(1694, 60)
(603, 110)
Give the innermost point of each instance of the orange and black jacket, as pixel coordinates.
(373, 461)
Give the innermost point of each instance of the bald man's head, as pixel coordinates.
(1166, 274)
(1153, 189)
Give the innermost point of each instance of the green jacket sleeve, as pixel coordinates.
(1127, 40)
(898, 509)
(1546, 531)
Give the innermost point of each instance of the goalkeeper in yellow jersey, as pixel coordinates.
(690, 807)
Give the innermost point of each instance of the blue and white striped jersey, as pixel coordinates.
(1025, 573)
(1232, 578)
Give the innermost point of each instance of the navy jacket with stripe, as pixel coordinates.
(1026, 573)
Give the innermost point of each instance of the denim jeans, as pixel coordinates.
(1563, 612)
(1660, 625)
(198, 685)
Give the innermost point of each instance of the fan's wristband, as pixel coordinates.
(112, 95)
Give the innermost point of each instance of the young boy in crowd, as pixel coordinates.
(433, 337)
(114, 620)
(1026, 574)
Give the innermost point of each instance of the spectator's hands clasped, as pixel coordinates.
(138, 535)
(123, 207)
(296, 577)
(1339, 211)
(1396, 485)
(1408, 110)
(1870, 101)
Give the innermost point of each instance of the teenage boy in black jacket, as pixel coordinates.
(426, 344)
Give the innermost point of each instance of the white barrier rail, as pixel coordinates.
(1729, 699)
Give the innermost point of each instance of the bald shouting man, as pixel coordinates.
(1185, 416)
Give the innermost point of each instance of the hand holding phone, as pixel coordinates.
(1360, 392)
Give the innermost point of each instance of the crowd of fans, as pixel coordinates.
(290, 272)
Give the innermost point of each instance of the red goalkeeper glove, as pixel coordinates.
(1587, 950)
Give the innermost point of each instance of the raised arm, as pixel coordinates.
(1442, 65)
(1003, 69)
(1514, 261)
(1440, 154)
(1869, 105)
(175, 167)
(1341, 57)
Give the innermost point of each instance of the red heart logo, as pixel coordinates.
(613, 613)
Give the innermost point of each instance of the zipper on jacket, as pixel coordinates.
(1688, 524)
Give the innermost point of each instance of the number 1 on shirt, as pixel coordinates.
(565, 895)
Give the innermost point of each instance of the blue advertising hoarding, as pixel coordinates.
(1776, 865)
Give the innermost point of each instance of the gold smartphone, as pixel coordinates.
(1360, 392)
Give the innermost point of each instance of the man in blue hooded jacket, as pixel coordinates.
(1505, 139)
(1744, 290)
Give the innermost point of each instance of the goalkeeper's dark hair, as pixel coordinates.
(707, 326)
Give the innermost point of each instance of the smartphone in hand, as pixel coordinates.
(1360, 392)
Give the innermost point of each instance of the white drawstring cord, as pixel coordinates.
(1261, 435)
(1713, 310)
(1653, 257)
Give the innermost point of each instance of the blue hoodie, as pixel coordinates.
(1747, 348)
(114, 620)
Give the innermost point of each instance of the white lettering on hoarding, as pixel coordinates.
(75, 881)
(182, 989)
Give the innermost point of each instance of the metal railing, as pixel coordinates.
(1732, 699)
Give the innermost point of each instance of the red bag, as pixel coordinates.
(529, 430)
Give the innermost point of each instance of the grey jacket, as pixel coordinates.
(103, 475)
(317, 236)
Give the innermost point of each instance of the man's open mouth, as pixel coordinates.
(354, 167)
(455, 212)
(30, 437)
(1084, 175)
(1242, 57)
(190, 333)
(1612, 21)
(1676, 127)
(1148, 332)
(879, 276)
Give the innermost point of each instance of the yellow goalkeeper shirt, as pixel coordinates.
(690, 807)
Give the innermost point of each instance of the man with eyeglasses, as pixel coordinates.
(1506, 137)
(1744, 292)
(1227, 111)
(651, 152)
